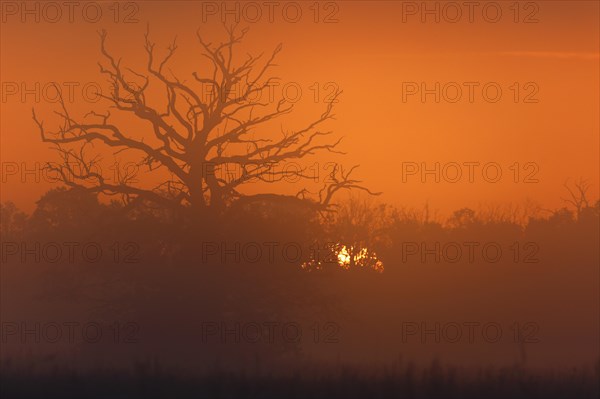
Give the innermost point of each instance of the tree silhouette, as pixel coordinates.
(578, 195)
(196, 136)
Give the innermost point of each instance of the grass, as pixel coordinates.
(407, 381)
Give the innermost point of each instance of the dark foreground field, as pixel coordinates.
(400, 381)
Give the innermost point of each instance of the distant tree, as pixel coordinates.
(578, 195)
(462, 218)
(67, 208)
(13, 222)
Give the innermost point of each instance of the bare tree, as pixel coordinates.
(578, 195)
(196, 135)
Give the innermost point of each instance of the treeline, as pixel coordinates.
(352, 278)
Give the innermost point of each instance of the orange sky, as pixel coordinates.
(370, 54)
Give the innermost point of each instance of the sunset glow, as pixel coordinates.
(299, 199)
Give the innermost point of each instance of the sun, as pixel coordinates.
(348, 256)
(344, 257)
